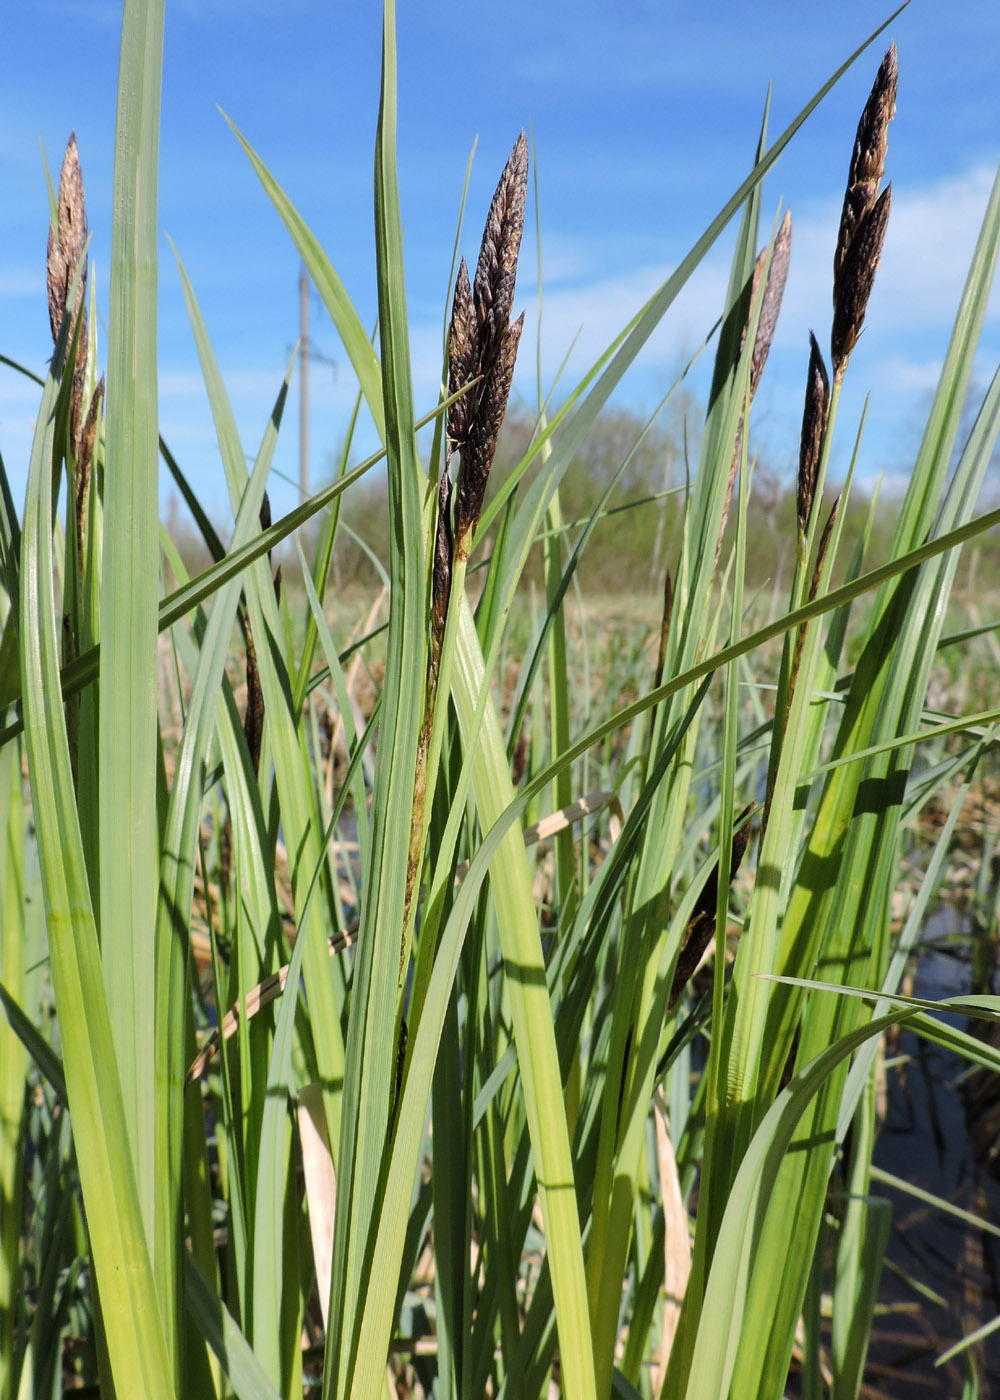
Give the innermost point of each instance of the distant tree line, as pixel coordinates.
(638, 537)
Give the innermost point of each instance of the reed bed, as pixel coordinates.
(401, 1008)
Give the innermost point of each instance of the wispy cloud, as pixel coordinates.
(22, 281)
(910, 376)
(928, 248)
(932, 234)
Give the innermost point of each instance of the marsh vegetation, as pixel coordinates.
(486, 980)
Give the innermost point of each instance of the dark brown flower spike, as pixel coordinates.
(860, 266)
(441, 579)
(864, 216)
(483, 346)
(483, 433)
(253, 718)
(867, 160)
(461, 348)
(814, 416)
(496, 270)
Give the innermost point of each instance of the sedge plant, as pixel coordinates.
(479, 1042)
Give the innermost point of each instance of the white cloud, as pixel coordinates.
(932, 234)
(928, 247)
(592, 313)
(911, 376)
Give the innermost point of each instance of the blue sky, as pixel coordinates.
(644, 121)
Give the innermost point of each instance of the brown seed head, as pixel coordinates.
(755, 278)
(701, 927)
(67, 240)
(85, 457)
(814, 416)
(857, 280)
(867, 160)
(774, 290)
(478, 455)
(443, 548)
(461, 338)
(484, 344)
(496, 271)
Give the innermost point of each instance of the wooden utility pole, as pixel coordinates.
(304, 384)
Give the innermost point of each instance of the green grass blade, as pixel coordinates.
(732, 1276)
(242, 1369)
(534, 1033)
(13, 1053)
(864, 1233)
(45, 1058)
(182, 827)
(10, 543)
(129, 851)
(136, 1346)
(372, 1027)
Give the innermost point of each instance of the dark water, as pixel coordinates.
(929, 1140)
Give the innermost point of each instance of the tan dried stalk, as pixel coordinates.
(676, 1241)
(864, 215)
